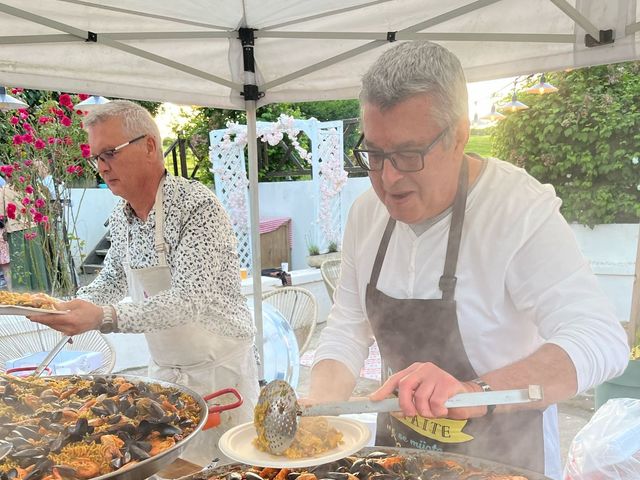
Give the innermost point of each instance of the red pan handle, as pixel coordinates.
(229, 406)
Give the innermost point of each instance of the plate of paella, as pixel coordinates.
(318, 440)
(15, 303)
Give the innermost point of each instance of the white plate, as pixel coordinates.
(237, 444)
(20, 310)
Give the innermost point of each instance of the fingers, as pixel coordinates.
(423, 389)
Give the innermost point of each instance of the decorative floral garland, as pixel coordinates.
(332, 171)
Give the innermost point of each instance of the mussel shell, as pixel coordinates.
(252, 476)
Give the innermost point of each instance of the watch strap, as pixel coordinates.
(485, 388)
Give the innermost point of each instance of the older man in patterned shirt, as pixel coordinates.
(174, 252)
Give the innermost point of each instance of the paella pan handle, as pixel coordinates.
(214, 411)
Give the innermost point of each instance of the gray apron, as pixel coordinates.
(427, 330)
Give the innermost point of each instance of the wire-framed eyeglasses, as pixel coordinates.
(402, 160)
(110, 154)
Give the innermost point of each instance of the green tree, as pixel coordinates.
(584, 140)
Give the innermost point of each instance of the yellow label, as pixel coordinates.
(443, 430)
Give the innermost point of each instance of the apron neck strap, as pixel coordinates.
(448, 279)
(382, 251)
(159, 229)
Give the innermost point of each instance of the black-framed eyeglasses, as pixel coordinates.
(402, 160)
(110, 154)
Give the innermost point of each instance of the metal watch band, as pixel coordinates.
(485, 388)
(108, 324)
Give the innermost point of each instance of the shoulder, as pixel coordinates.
(189, 193)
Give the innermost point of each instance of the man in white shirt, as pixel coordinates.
(466, 274)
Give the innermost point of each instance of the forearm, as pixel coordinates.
(549, 367)
(331, 380)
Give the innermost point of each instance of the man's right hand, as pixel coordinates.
(80, 316)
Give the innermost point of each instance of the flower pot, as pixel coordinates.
(316, 260)
(626, 385)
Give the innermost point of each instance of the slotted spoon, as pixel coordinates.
(281, 409)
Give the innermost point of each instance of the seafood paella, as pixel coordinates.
(35, 300)
(375, 465)
(67, 428)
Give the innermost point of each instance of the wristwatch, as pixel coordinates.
(109, 323)
(485, 388)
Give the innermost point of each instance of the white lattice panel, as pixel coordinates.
(230, 174)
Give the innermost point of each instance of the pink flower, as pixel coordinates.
(68, 141)
(28, 163)
(23, 210)
(83, 96)
(51, 140)
(79, 170)
(37, 217)
(27, 127)
(29, 190)
(22, 113)
(30, 235)
(7, 170)
(21, 179)
(17, 90)
(15, 120)
(11, 210)
(66, 121)
(65, 100)
(17, 140)
(71, 169)
(86, 150)
(32, 211)
(45, 219)
(27, 138)
(39, 203)
(26, 201)
(43, 120)
(39, 144)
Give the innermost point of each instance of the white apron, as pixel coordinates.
(192, 356)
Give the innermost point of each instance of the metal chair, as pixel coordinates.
(20, 337)
(299, 307)
(330, 271)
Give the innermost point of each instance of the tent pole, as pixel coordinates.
(254, 216)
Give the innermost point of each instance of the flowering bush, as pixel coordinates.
(46, 152)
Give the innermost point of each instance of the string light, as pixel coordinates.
(542, 87)
(494, 115)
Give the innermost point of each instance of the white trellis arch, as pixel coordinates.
(328, 175)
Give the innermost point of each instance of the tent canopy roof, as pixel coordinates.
(189, 51)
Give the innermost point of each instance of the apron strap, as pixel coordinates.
(160, 246)
(382, 251)
(448, 279)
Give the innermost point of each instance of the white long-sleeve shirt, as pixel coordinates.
(522, 281)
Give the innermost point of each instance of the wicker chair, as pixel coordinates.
(330, 271)
(20, 337)
(299, 307)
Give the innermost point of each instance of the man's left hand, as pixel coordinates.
(423, 389)
(80, 316)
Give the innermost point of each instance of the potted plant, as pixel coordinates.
(315, 258)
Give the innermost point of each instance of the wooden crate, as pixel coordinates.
(274, 247)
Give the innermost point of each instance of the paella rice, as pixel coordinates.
(83, 427)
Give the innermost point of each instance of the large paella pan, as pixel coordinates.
(98, 427)
(380, 463)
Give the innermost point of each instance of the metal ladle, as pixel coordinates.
(279, 409)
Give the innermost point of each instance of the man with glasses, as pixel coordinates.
(466, 274)
(173, 251)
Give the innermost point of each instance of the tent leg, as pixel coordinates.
(254, 216)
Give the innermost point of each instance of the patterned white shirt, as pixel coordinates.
(202, 257)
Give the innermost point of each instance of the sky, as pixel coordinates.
(480, 92)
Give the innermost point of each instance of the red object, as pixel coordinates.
(214, 411)
(21, 371)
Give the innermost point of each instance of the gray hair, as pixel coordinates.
(136, 120)
(414, 68)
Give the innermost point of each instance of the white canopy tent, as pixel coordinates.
(245, 53)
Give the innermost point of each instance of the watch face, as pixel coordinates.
(107, 327)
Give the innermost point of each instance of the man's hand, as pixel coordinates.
(423, 388)
(81, 316)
